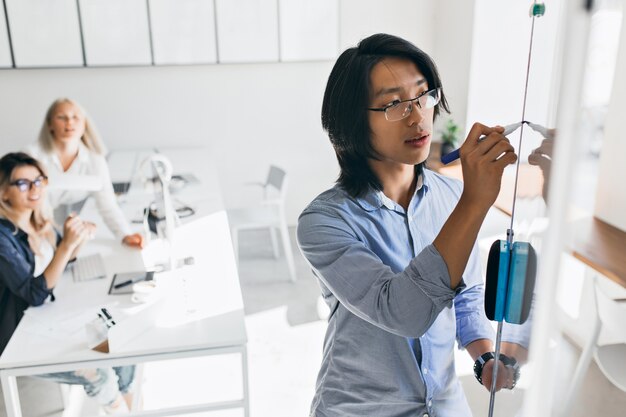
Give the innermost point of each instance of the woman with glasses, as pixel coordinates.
(32, 259)
(70, 147)
(393, 243)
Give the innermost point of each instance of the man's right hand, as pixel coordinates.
(483, 163)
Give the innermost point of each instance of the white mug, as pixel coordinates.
(143, 291)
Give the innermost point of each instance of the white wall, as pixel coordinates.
(452, 51)
(610, 197)
(250, 115)
(410, 19)
(498, 67)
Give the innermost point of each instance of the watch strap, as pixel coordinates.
(480, 362)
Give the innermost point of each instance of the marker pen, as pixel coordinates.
(454, 155)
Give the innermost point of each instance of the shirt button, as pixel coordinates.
(425, 371)
(425, 415)
(430, 403)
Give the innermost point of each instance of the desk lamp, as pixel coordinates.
(163, 169)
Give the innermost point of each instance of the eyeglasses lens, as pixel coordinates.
(25, 185)
(426, 101)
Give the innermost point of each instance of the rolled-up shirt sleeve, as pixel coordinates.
(404, 303)
(16, 276)
(469, 306)
(471, 321)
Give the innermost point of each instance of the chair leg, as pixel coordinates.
(234, 235)
(137, 394)
(284, 231)
(581, 369)
(274, 242)
(73, 399)
(65, 394)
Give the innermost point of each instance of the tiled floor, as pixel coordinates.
(285, 343)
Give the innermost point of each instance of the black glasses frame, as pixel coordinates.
(25, 185)
(415, 99)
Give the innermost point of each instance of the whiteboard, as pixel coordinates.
(5, 49)
(116, 32)
(183, 31)
(45, 33)
(309, 29)
(247, 30)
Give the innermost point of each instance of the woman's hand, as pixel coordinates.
(75, 231)
(134, 241)
(483, 163)
(91, 229)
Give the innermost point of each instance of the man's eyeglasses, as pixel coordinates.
(400, 109)
(26, 185)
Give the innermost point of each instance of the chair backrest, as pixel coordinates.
(612, 313)
(277, 178)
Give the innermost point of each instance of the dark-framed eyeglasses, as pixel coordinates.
(400, 109)
(26, 185)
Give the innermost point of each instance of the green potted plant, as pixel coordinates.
(449, 137)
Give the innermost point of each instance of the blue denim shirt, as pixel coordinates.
(19, 289)
(389, 346)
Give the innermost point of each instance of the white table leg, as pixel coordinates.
(11, 395)
(244, 370)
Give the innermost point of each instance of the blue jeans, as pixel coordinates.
(102, 384)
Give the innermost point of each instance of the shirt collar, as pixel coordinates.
(81, 157)
(83, 152)
(9, 225)
(375, 199)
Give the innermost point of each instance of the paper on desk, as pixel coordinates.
(190, 297)
(50, 322)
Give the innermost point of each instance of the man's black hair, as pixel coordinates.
(346, 99)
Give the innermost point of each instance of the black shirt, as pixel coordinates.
(19, 289)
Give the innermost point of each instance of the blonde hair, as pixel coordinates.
(40, 218)
(91, 138)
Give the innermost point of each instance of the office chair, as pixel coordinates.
(610, 317)
(269, 214)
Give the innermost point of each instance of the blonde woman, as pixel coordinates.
(32, 259)
(71, 150)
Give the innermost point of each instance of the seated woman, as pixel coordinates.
(32, 259)
(69, 146)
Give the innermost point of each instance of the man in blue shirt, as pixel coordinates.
(393, 244)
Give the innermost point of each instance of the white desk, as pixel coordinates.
(201, 315)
